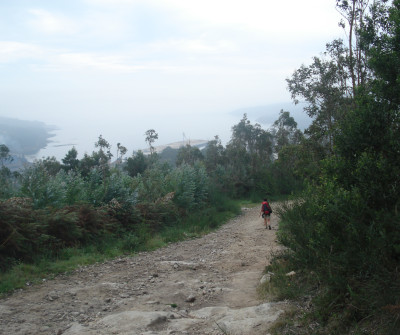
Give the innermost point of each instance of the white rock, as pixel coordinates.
(190, 298)
(266, 278)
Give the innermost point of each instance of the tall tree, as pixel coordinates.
(189, 155)
(71, 161)
(104, 154)
(214, 154)
(323, 86)
(151, 137)
(136, 164)
(4, 154)
(121, 151)
(248, 154)
(285, 131)
(51, 165)
(353, 13)
(369, 141)
(105, 147)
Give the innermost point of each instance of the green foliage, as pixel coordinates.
(28, 232)
(87, 163)
(7, 181)
(151, 185)
(38, 184)
(352, 247)
(51, 165)
(190, 184)
(151, 137)
(70, 161)
(98, 230)
(188, 155)
(121, 151)
(323, 85)
(118, 187)
(285, 131)
(169, 155)
(4, 154)
(132, 242)
(214, 155)
(136, 164)
(74, 185)
(68, 188)
(345, 228)
(21, 231)
(281, 286)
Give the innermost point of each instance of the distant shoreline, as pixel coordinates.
(23, 137)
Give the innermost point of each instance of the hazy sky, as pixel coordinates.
(120, 67)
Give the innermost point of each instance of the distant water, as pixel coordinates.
(83, 132)
(83, 136)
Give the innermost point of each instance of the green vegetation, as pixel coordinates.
(66, 259)
(56, 215)
(343, 234)
(341, 228)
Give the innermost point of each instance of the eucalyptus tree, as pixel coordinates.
(324, 87)
(5, 173)
(285, 131)
(136, 164)
(354, 13)
(4, 154)
(98, 159)
(105, 148)
(121, 151)
(104, 155)
(71, 161)
(352, 236)
(51, 165)
(369, 141)
(214, 154)
(151, 137)
(248, 154)
(189, 155)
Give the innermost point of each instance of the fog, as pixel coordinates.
(120, 67)
(130, 132)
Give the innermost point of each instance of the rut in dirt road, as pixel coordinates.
(201, 286)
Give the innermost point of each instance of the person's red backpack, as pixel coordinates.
(266, 208)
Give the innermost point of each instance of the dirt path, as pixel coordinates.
(202, 286)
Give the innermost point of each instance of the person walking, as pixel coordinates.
(266, 213)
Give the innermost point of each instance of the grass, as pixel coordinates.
(283, 286)
(285, 321)
(314, 306)
(69, 259)
(66, 260)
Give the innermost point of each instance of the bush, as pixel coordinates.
(189, 183)
(21, 231)
(7, 179)
(30, 232)
(352, 248)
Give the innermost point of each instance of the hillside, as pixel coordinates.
(201, 286)
(176, 145)
(24, 137)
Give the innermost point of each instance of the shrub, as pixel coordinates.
(21, 231)
(352, 248)
(190, 185)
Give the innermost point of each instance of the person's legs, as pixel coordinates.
(269, 222)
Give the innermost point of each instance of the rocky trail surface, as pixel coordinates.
(200, 286)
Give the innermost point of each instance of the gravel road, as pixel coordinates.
(201, 286)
